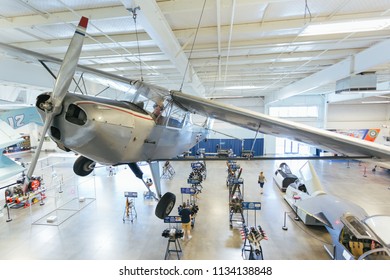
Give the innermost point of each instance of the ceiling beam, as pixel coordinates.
(55, 18)
(155, 24)
(352, 65)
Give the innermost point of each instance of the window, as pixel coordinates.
(294, 111)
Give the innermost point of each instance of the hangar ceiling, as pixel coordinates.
(212, 48)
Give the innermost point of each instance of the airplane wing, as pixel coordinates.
(327, 140)
(8, 137)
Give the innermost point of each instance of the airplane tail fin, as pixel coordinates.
(311, 180)
(8, 137)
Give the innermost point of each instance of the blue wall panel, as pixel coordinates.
(236, 145)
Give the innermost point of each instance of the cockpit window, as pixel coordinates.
(76, 115)
(362, 247)
(177, 117)
(356, 225)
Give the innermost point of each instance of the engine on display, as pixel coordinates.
(173, 233)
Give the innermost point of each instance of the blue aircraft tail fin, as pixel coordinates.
(8, 137)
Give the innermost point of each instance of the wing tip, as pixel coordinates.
(83, 22)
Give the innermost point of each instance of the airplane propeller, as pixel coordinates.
(53, 105)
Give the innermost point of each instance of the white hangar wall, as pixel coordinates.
(354, 116)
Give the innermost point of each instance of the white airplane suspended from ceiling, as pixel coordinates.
(156, 124)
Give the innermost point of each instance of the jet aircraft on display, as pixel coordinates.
(355, 234)
(155, 124)
(20, 117)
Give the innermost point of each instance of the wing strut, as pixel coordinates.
(254, 140)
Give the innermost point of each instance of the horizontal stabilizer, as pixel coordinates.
(9, 168)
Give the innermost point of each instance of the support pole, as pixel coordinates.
(9, 217)
(284, 224)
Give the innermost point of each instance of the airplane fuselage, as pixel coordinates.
(114, 132)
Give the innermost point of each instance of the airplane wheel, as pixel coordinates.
(165, 205)
(83, 166)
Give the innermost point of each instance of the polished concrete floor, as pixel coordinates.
(94, 229)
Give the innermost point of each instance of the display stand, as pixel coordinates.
(195, 184)
(192, 195)
(236, 197)
(191, 203)
(129, 214)
(56, 181)
(149, 194)
(252, 235)
(234, 172)
(173, 237)
(255, 251)
(67, 198)
(177, 248)
(15, 198)
(199, 167)
(168, 172)
(196, 177)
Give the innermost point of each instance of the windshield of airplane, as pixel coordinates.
(381, 226)
(166, 113)
(175, 116)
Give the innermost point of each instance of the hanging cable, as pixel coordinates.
(134, 12)
(193, 43)
(307, 11)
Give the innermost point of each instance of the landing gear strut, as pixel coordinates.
(165, 203)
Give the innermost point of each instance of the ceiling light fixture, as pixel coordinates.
(227, 97)
(351, 26)
(377, 93)
(376, 102)
(242, 87)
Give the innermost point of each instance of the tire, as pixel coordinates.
(83, 166)
(165, 205)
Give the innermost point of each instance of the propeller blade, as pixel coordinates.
(68, 66)
(65, 76)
